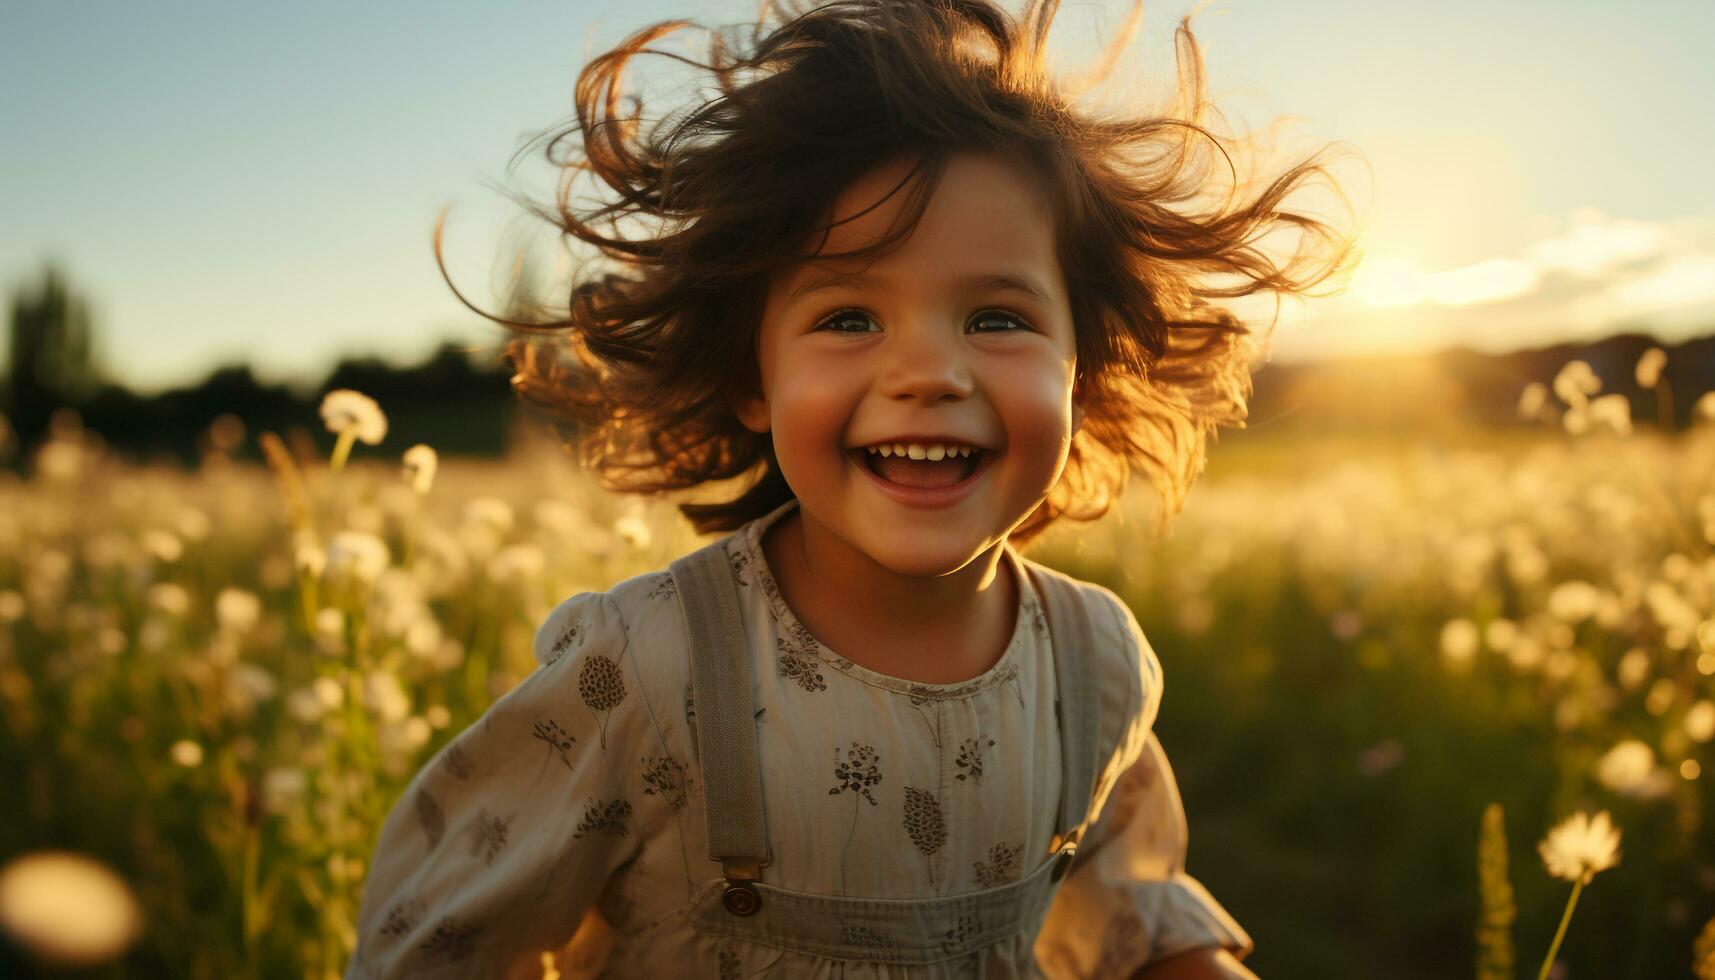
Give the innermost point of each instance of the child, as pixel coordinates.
(897, 274)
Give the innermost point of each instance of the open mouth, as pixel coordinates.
(921, 474)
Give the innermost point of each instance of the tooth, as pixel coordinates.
(916, 452)
(899, 449)
(936, 452)
(964, 451)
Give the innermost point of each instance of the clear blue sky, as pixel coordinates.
(238, 181)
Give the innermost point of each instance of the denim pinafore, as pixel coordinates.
(949, 931)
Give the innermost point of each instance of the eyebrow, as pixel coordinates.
(989, 280)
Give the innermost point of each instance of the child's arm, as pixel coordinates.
(1127, 907)
(505, 838)
(1206, 963)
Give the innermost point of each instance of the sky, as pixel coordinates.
(239, 182)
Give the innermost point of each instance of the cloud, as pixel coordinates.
(1592, 276)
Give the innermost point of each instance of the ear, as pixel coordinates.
(751, 409)
(1077, 403)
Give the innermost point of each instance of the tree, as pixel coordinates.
(52, 355)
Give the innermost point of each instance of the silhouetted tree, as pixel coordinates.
(51, 361)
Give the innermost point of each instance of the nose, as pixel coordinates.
(927, 364)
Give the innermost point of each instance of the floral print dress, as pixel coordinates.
(570, 816)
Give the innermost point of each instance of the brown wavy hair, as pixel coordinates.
(661, 330)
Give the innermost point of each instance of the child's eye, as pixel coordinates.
(844, 316)
(1001, 316)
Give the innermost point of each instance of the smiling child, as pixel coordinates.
(895, 276)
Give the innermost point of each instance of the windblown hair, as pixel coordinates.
(651, 350)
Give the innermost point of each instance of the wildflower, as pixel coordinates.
(1574, 601)
(186, 753)
(360, 556)
(489, 511)
(169, 598)
(330, 630)
(420, 464)
(1532, 400)
(1581, 846)
(385, 697)
(1613, 411)
(1629, 769)
(1703, 410)
(310, 560)
(1494, 928)
(282, 788)
(1459, 640)
(1576, 850)
(345, 411)
(516, 563)
(162, 545)
(67, 909)
(1649, 367)
(237, 610)
(352, 415)
(1700, 721)
(1634, 668)
(632, 528)
(1576, 382)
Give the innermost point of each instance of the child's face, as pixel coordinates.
(923, 349)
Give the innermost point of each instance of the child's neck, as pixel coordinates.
(940, 630)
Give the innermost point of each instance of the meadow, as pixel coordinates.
(214, 683)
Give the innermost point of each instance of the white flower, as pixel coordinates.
(310, 560)
(1629, 769)
(1613, 411)
(1576, 382)
(169, 598)
(1532, 400)
(330, 630)
(1703, 410)
(490, 512)
(67, 909)
(345, 411)
(385, 697)
(1700, 721)
(1580, 847)
(361, 556)
(420, 464)
(186, 753)
(1649, 367)
(519, 563)
(237, 610)
(1574, 601)
(1459, 641)
(282, 787)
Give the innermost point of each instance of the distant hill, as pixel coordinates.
(1445, 389)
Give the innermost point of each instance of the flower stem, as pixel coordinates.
(342, 449)
(1560, 933)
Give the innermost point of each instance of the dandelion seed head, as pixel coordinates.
(344, 410)
(360, 556)
(1703, 410)
(186, 753)
(1629, 769)
(1532, 400)
(420, 463)
(1580, 846)
(491, 512)
(282, 789)
(330, 630)
(170, 598)
(237, 610)
(67, 909)
(1699, 721)
(1634, 668)
(1649, 367)
(1459, 641)
(385, 697)
(1575, 382)
(163, 546)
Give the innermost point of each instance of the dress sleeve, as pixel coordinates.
(1127, 901)
(505, 838)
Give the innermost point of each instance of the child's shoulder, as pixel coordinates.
(639, 615)
(1124, 659)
